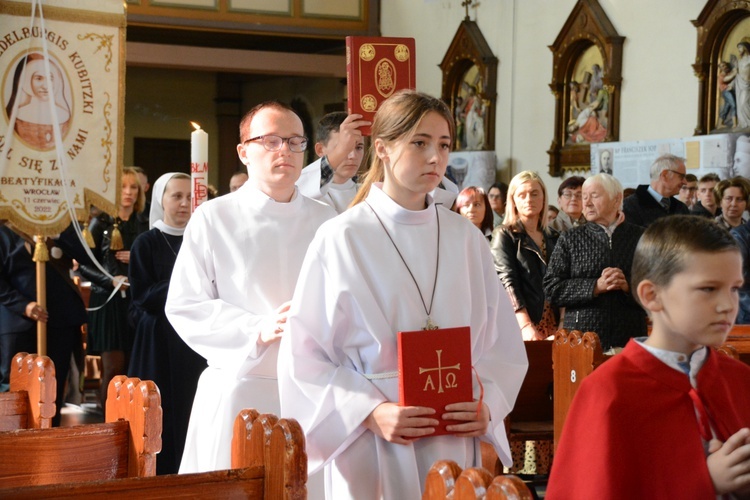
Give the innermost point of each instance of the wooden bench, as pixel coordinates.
(125, 446)
(269, 453)
(739, 339)
(531, 417)
(446, 480)
(574, 356)
(30, 404)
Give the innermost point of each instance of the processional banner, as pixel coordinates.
(62, 73)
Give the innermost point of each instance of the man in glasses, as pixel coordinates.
(571, 205)
(689, 191)
(340, 147)
(234, 277)
(656, 200)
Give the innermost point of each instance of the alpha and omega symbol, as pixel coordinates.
(450, 377)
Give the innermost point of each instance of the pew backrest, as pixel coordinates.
(284, 479)
(124, 446)
(30, 403)
(445, 480)
(574, 356)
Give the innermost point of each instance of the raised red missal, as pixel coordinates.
(376, 67)
(435, 370)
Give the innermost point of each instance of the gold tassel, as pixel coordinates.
(41, 254)
(87, 235)
(115, 242)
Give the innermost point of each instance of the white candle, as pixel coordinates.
(198, 165)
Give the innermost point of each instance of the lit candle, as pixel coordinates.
(198, 165)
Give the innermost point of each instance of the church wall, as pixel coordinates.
(157, 106)
(659, 90)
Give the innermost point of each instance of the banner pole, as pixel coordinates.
(41, 256)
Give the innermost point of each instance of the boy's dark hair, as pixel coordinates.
(664, 247)
(329, 123)
(710, 177)
(690, 178)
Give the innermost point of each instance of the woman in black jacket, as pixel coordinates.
(110, 332)
(522, 246)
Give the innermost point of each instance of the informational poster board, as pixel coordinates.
(727, 155)
(62, 74)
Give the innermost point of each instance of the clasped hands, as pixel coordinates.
(402, 424)
(612, 278)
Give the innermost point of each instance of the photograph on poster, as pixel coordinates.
(472, 168)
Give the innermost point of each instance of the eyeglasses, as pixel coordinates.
(682, 176)
(494, 196)
(689, 189)
(572, 196)
(297, 143)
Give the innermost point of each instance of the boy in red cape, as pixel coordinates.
(668, 417)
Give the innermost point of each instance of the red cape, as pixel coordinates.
(632, 431)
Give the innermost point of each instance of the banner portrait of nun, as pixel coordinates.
(31, 93)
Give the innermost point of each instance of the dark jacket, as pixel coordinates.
(700, 210)
(18, 284)
(521, 268)
(579, 258)
(642, 209)
(742, 235)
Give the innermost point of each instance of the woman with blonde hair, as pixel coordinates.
(385, 266)
(522, 246)
(110, 332)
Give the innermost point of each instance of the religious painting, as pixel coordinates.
(470, 88)
(470, 112)
(733, 79)
(722, 66)
(586, 79)
(28, 90)
(587, 121)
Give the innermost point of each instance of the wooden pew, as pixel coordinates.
(574, 356)
(270, 452)
(446, 480)
(739, 338)
(125, 446)
(30, 404)
(531, 418)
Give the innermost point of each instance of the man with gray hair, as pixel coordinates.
(651, 202)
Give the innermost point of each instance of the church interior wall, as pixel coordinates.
(659, 89)
(659, 95)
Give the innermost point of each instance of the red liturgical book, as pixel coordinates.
(435, 369)
(376, 67)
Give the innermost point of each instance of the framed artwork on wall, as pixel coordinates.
(586, 80)
(722, 65)
(470, 88)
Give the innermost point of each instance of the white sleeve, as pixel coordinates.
(330, 400)
(223, 333)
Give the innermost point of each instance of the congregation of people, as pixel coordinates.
(286, 295)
